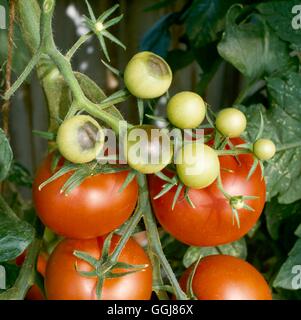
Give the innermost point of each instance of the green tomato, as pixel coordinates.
(186, 110)
(231, 122)
(148, 149)
(80, 139)
(197, 165)
(147, 76)
(264, 149)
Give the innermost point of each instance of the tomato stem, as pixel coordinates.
(155, 248)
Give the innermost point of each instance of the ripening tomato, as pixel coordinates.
(211, 222)
(222, 277)
(80, 139)
(94, 208)
(264, 149)
(147, 75)
(63, 281)
(231, 122)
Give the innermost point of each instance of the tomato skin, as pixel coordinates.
(94, 208)
(34, 293)
(63, 282)
(80, 139)
(222, 277)
(210, 223)
(264, 149)
(186, 110)
(231, 122)
(147, 75)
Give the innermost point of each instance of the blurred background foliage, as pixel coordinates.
(244, 53)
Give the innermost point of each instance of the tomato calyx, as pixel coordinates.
(79, 172)
(171, 183)
(106, 266)
(100, 25)
(236, 202)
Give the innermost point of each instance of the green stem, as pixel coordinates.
(127, 233)
(289, 146)
(78, 44)
(249, 90)
(154, 240)
(32, 63)
(233, 152)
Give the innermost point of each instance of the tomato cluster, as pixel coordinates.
(219, 187)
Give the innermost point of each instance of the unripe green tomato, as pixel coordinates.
(231, 122)
(264, 149)
(197, 165)
(186, 110)
(80, 139)
(147, 76)
(148, 149)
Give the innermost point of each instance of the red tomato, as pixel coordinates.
(94, 208)
(34, 293)
(210, 223)
(222, 277)
(63, 282)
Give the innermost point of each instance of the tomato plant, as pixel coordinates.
(69, 284)
(86, 211)
(124, 163)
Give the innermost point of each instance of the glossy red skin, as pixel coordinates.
(210, 223)
(34, 293)
(222, 277)
(94, 208)
(63, 282)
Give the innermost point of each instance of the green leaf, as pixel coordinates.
(236, 249)
(282, 126)
(253, 47)
(6, 155)
(179, 59)
(288, 276)
(160, 4)
(19, 175)
(15, 234)
(158, 38)
(280, 18)
(205, 19)
(298, 231)
(95, 94)
(279, 214)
